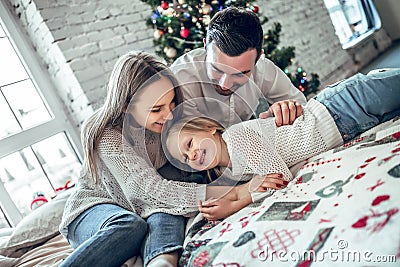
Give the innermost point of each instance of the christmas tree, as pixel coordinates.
(180, 26)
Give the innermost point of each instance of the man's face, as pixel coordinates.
(229, 73)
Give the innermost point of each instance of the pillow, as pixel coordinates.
(5, 234)
(37, 227)
(7, 262)
(50, 253)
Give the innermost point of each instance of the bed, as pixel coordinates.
(342, 208)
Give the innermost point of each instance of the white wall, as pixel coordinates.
(389, 11)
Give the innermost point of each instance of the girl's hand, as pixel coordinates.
(270, 181)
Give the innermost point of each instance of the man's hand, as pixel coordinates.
(285, 112)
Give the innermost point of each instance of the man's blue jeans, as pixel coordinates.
(108, 235)
(363, 101)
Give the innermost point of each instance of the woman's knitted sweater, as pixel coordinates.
(129, 180)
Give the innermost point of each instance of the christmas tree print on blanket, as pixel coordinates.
(289, 211)
(388, 139)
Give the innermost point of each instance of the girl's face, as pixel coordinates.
(154, 104)
(201, 150)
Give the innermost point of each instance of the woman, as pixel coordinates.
(122, 207)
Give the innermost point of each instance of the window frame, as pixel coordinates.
(356, 40)
(41, 79)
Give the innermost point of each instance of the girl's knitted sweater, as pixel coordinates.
(259, 147)
(129, 180)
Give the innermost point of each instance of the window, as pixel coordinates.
(354, 20)
(37, 143)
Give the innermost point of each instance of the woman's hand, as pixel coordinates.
(270, 181)
(239, 197)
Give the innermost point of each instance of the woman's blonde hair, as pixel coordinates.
(130, 72)
(194, 125)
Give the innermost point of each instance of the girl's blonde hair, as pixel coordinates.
(193, 126)
(130, 72)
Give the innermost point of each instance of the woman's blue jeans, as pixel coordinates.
(108, 235)
(363, 101)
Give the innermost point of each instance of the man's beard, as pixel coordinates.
(227, 92)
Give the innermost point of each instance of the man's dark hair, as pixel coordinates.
(235, 30)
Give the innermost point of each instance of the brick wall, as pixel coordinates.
(307, 26)
(79, 41)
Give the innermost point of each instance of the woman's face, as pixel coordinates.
(154, 104)
(201, 150)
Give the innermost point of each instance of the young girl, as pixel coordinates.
(122, 207)
(337, 115)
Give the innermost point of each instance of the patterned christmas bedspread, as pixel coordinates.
(342, 208)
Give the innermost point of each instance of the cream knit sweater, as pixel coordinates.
(259, 147)
(128, 179)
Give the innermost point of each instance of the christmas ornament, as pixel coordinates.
(170, 52)
(184, 33)
(164, 5)
(168, 12)
(155, 15)
(206, 9)
(206, 19)
(157, 34)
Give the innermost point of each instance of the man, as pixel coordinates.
(229, 76)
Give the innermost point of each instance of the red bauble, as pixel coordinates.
(164, 5)
(184, 33)
(255, 9)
